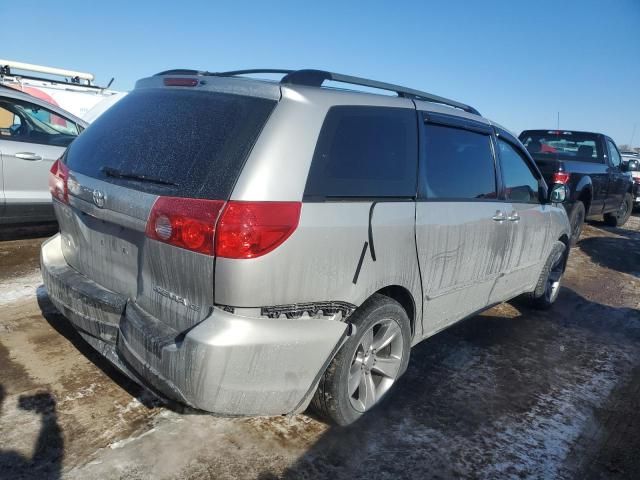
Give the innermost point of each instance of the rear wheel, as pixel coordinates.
(548, 286)
(576, 219)
(368, 364)
(620, 217)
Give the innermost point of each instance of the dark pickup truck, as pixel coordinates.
(590, 165)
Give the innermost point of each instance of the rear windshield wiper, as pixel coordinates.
(114, 172)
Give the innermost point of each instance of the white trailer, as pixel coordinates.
(70, 90)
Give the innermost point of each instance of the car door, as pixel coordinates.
(618, 180)
(34, 139)
(528, 220)
(461, 226)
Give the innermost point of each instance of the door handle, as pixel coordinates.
(28, 156)
(514, 217)
(499, 216)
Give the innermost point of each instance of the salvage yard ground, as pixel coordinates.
(509, 393)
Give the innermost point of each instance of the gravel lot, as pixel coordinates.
(510, 393)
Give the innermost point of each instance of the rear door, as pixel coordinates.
(618, 180)
(528, 220)
(184, 144)
(461, 226)
(31, 139)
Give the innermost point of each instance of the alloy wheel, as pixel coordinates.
(375, 364)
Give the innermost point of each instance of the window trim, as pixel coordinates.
(451, 121)
(51, 112)
(529, 162)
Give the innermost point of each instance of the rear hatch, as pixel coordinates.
(175, 142)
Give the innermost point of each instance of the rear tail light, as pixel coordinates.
(561, 177)
(636, 179)
(185, 222)
(58, 181)
(232, 230)
(252, 229)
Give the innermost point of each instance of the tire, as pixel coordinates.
(548, 286)
(333, 399)
(620, 217)
(576, 219)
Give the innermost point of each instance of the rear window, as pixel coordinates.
(172, 141)
(563, 145)
(365, 152)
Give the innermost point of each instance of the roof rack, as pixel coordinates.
(315, 78)
(74, 78)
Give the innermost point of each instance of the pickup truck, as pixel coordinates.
(591, 167)
(631, 161)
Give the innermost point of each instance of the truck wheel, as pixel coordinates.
(620, 217)
(548, 286)
(368, 364)
(576, 219)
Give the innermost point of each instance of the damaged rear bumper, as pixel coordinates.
(227, 364)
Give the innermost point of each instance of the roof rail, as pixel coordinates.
(315, 78)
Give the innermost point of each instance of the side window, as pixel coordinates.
(458, 164)
(365, 152)
(614, 155)
(520, 183)
(26, 122)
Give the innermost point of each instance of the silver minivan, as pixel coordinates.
(247, 246)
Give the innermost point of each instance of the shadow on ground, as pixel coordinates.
(621, 253)
(48, 451)
(492, 396)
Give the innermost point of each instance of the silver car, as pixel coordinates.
(33, 135)
(246, 246)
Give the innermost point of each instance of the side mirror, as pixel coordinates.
(559, 193)
(633, 165)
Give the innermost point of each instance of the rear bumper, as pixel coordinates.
(227, 364)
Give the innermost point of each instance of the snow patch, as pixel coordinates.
(18, 288)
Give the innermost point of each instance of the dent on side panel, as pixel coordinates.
(318, 262)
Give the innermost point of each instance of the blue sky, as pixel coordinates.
(518, 62)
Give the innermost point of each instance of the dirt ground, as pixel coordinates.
(511, 393)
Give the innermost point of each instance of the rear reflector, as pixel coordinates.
(561, 177)
(58, 178)
(252, 229)
(181, 82)
(185, 222)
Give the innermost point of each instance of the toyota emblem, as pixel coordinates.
(98, 198)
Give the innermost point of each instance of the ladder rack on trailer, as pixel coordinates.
(69, 77)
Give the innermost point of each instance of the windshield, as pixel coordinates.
(564, 145)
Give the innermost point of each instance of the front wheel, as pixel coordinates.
(620, 217)
(368, 364)
(548, 286)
